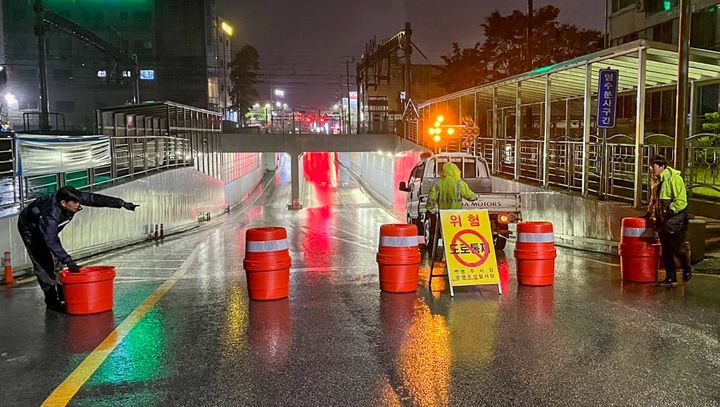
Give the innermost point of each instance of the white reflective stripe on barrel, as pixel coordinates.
(536, 237)
(639, 232)
(398, 241)
(266, 246)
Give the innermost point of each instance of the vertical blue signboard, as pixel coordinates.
(607, 98)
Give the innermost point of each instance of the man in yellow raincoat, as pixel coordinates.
(449, 191)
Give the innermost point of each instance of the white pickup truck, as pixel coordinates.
(503, 207)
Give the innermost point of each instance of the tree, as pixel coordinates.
(243, 74)
(463, 69)
(711, 124)
(503, 52)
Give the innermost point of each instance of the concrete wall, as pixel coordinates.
(376, 169)
(174, 198)
(381, 173)
(581, 223)
(238, 190)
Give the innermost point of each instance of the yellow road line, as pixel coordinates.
(62, 395)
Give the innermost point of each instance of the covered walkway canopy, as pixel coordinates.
(560, 144)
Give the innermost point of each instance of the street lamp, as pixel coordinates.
(222, 67)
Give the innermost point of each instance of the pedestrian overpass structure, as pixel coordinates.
(540, 126)
(297, 144)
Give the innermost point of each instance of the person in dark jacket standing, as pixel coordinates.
(671, 216)
(40, 224)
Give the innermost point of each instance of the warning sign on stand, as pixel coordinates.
(468, 245)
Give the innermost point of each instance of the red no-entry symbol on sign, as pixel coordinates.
(475, 256)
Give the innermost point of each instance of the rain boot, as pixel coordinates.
(686, 261)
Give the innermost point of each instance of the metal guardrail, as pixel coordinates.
(131, 158)
(611, 166)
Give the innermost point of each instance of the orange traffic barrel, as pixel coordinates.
(267, 263)
(398, 258)
(639, 250)
(90, 291)
(535, 253)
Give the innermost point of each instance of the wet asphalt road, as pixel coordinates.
(338, 341)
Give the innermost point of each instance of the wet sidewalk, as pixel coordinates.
(588, 340)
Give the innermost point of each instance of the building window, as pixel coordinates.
(709, 99)
(704, 29)
(618, 5)
(65, 106)
(655, 6)
(629, 38)
(663, 32)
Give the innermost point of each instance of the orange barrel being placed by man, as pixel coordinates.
(398, 258)
(535, 253)
(639, 250)
(89, 291)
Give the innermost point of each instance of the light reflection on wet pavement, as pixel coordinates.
(587, 340)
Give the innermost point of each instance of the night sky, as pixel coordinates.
(303, 45)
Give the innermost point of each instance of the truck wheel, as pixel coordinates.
(499, 241)
(428, 232)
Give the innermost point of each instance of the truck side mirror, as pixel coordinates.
(403, 187)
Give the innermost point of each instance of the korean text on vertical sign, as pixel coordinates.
(468, 244)
(607, 98)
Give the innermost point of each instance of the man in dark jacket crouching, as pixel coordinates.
(40, 224)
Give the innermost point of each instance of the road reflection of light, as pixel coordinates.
(140, 357)
(473, 321)
(425, 359)
(537, 302)
(317, 243)
(270, 333)
(320, 170)
(504, 271)
(402, 166)
(388, 397)
(85, 332)
(236, 320)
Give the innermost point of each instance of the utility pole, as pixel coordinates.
(136, 79)
(343, 125)
(681, 102)
(347, 82)
(529, 61)
(407, 50)
(42, 64)
(606, 37)
(360, 95)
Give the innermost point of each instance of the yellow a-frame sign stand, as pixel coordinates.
(468, 248)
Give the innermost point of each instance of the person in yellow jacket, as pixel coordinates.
(671, 215)
(449, 191)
